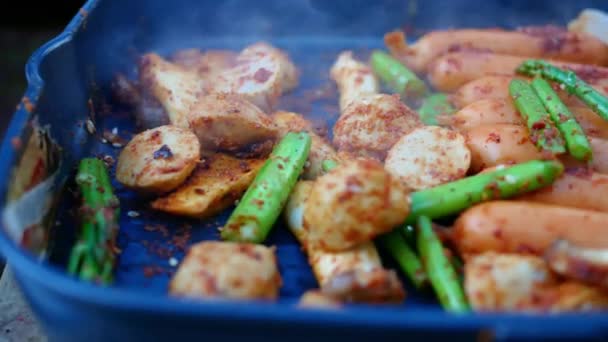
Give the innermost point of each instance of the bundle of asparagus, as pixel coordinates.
(93, 256)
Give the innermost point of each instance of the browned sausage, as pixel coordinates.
(502, 111)
(518, 226)
(539, 42)
(454, 69)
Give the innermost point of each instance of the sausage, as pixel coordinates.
(599, 163)
(534, 42)
(492, 145)
(584, 190)
(502, 111)
(527, 227)
(495, 87)
(452, 70)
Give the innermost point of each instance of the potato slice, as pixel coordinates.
(354, 79)
(513, 282)
(320, 149)
(213, 187)
(228, 122)
(227, 270)
(429, 156)
(174, 87)
(158, 160)
(372, 124)
(352, 204)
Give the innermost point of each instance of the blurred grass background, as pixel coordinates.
(23, 28)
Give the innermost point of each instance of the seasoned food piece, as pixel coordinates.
(535, 41)
(215, 184)
(592, 22)
(483, 88)
(502, 111)
(261, 74)
(317, 299)
(441, 272)
(518, 226)
(227, 270)
(158, 160)
(450, 71)
(228, 122)
(93, 256)
(355, 79)
(587, 265)
(599, 163)
(577, 189)
(454, 197)
(352, 275)
(492, 145)
(352, 204)
(513, 282)
(208, 64)
(570, 81)
(429, 156)
(320, 149)
(174, 87)
(496, 87)
(454, 69)
(397, 76)
(370, 126)
(543, 132)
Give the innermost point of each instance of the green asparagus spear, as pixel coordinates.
(398, 248)
(398, 77)
(542, 131)
(93, 256)
(328, 164)
(433, 106)
(263, 202)
(576, 141)
(451, 198)
(568, 79)
(442, 275)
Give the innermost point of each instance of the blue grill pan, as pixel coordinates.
(69, 79)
